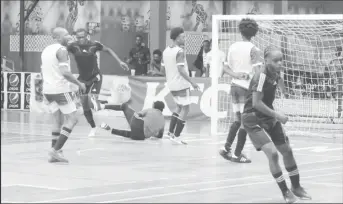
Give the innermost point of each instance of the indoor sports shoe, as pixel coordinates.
(176, 140)
(289, 197)
(241, 159)
(301, 193)
(53, 160)
(57, 156)
(92, 132)
(225, 154)
(169, 135)
(105, 126)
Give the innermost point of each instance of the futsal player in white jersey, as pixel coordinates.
(178, 82)
(243, 58)
(58, 93)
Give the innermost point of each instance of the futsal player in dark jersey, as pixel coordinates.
(84, 51)
(264, 128)
(148, 123)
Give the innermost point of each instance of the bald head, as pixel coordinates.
(61, 35)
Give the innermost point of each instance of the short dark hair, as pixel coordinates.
(248, 27)
(206, 41)
(268, 50)
(157, 52)
(175, 32)
(159, 105)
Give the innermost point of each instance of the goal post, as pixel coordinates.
(312, 70)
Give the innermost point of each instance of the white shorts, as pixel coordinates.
(182, 97)
(62, 101)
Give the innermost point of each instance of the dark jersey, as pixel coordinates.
(86, 58)
(264, 82)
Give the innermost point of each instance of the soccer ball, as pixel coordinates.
(120, 93)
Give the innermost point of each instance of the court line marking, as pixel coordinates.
(192, 134)
(87, 150)
(48, 125)
(319, 155)
(34, 186)
(329, 184)
(173, 186)
(125, 140)
(326, 148)
(205, 189)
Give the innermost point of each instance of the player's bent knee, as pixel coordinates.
(285, 149)
(274, 156)
(72, 120)
(270, 150)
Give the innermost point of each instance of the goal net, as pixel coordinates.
(312, 70)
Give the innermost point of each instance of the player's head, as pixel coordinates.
(178, 36)
(139, 40)
(157, 55)
(273, 59)
(61, 35)
(248, 28)
(81, 35)
(338, 51)
(206, 45)
(159, 105)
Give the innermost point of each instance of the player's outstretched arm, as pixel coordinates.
(63, 59)
(180, 62)
(115, 56)
(257, 96)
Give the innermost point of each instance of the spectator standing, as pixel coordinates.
(139, 57)
(156, 66)
(201, 61)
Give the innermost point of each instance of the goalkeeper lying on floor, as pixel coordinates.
(148, 123)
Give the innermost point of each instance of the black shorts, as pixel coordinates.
(137, 128)
(93, 85)
(263, 130)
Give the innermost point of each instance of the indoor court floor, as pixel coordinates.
(107, 168)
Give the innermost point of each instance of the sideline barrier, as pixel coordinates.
(22, 91)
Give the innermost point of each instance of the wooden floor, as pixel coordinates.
(114, 169)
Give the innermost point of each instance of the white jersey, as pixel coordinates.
(175, 81)
(207, 58)
(239, 60)
(53, 80)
